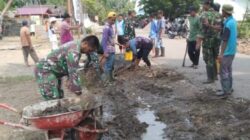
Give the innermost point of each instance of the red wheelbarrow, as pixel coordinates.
(71, 122)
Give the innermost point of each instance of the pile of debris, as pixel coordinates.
(244, 46)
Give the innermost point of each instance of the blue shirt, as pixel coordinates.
(160, 25)
(153, 29)
(231, 24)
(120, 27)
(132, 44)
(140, 43)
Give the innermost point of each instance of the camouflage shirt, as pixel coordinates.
(207, 31)
(129, 29)
(93, 60)
(64, 62)
(219, 23)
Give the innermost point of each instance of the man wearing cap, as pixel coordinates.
(108, 45)
(194, 54)
(207, 37)
(65, 33)
(228, 50)
(26, 43)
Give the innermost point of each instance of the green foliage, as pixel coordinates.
(244, 29)
(171, 8)
(56, 2)
(102, 7)
(2, 4)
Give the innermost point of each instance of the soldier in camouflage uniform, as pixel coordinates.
(208, 36)
(63, 62)
(129, 32)
(93, 61)
(218, 28)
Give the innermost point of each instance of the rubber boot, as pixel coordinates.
(210, 75)
(162, 52)
(111, 76)
(157, 52)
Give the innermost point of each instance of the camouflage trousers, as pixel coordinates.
(210, 51)
(49, 84)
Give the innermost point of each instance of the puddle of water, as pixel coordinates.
(155, 129)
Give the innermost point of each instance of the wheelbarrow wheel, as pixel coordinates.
(89, 123)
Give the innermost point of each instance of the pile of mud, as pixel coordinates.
(54, 107)
(187, 112)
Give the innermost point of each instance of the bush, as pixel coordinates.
(244, 29)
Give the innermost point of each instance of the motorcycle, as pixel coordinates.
(177, 28)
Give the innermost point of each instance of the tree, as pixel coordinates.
(102, 7)
(2, 4)
(171, 8)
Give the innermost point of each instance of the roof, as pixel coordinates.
(33, 11)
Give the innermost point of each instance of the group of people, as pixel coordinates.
(217, 35)
(64, 60)
(127, 40)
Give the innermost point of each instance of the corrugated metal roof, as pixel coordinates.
(33, 11)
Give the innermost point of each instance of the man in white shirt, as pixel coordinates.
(120, 26)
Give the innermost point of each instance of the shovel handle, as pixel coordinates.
(16, 125)
(5, 106)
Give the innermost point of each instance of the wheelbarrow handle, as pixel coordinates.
(5, 106)
(15, 125)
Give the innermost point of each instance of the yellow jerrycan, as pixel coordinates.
(128, 56)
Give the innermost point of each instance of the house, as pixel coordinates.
(38, 13)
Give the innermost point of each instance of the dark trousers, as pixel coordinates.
(193, 54)
(120, 40)
(144, 52)
(226, 73)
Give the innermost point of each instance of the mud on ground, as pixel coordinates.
(189, 113)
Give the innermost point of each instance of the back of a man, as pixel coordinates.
(24, 32)
(26, 44)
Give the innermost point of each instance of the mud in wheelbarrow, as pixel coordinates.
(57, 117)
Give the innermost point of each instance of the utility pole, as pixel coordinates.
(246, 15)
(69, 7)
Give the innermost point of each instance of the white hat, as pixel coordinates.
(52, 19)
